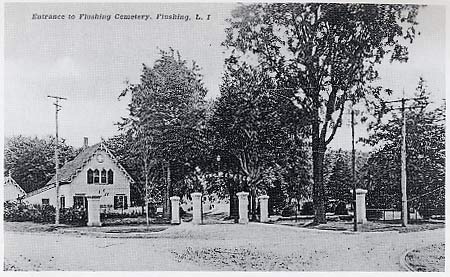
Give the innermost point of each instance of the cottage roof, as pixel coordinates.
(71, 169)
(10, 181)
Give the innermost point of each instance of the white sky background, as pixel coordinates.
(88, 62)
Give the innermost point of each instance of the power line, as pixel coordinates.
(403, 101)
(436, 189)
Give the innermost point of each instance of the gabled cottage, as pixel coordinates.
(12, 190)
(95, 171)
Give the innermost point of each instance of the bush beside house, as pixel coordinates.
(19, 211)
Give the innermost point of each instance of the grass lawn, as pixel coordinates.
(31, 227)
(370, 226)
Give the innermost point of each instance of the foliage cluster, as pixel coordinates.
(31, 160)
(425, 162)
(21, 211)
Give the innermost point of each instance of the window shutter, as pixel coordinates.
(116, 200)
(125, 202)
(63, 202)
(103, 177)
(90, 177)
(110, 176)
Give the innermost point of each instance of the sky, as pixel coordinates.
(88, 62)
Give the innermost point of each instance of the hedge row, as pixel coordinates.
(19, 211)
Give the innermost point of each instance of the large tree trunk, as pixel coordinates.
(318, 189)
(253, 204)
(318, 149)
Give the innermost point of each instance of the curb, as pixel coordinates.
(404, 264)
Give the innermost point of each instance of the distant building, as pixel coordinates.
(95, 171)
(12, 190)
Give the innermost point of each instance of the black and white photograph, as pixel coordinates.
(224, 136)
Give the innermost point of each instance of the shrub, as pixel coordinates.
(288, 211)
(182, 212)
(307, 208)
(372, 214)
(44, 214)
(73, 216)
(119, 215)
(18, 211)
(341, 209)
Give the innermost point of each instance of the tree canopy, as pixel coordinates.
(321, 55)
(425, 158)
(255, 134)
(167, 117)
(31, 160)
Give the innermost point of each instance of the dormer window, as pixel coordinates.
(103, 177)
(100, 177)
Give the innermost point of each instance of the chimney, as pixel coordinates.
(85, 142)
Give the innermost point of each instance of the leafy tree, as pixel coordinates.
(425, 160)
(340, 182)
(345, 156)
(125, 150)
(167, 118)
(31, 160)
(321, 55)
(251, 130)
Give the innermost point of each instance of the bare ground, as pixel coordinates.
(429, 259)
(215, 247)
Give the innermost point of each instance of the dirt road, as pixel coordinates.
(216, 247)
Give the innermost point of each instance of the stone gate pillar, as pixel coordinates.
(264, 208)
(243, 206)
(93, 210)
(196, 207)
(361, 206)
(175, 209)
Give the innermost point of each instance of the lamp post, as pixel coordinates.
(355, 223)
(218, 159)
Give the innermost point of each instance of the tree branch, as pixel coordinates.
(338, 122)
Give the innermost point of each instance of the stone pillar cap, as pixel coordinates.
(242, 193)
(361, 191)
(174, 198)
(263, 197)
(196, 194)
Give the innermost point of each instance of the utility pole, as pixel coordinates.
(403, 101)
(355, 223)
(57, 109)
